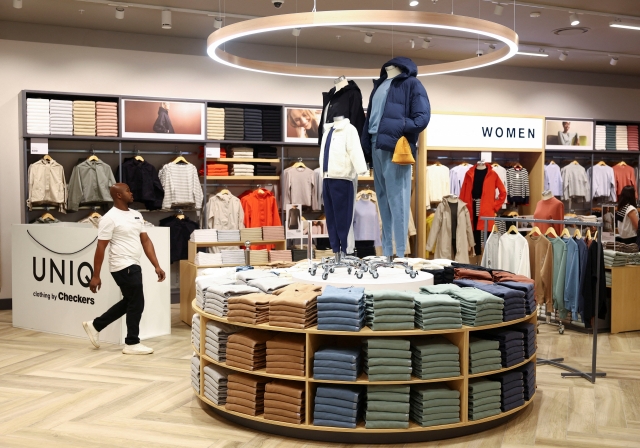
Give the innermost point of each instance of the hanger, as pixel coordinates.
(551, 162)
(494, 229)
(595, 236)
(299, 163)
(517, 166)
(93, 156)
(179, 215)
(535, 229)
(551, 231)
(137, 157)
(565, 233)
(577, 234)
(47, 215)
(47, 157)
(588, 234)
(495, 164)
(180, 159)
(622, 163)
(513, 229)
(260, 190)
(575, 162)
(512, 213)
(601, 163)
(437, 163)
(224, 190)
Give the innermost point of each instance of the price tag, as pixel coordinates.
(212, 150)
(486, 156)
(40, 146)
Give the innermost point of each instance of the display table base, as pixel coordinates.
(390, 278)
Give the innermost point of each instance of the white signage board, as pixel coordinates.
(51, 283)
(212, 150)
(468, 131)
(40, 146)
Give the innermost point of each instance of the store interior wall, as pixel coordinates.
(84, 69)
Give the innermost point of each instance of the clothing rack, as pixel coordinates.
(558, 362)
(115, 151)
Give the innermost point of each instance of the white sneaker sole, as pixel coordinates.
(85, 325)
(124, 351)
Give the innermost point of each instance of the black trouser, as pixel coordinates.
(132, 304)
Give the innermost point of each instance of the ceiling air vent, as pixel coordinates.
(571, 31)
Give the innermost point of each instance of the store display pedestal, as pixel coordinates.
(390, 278)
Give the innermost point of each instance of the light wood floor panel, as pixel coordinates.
(57, 391)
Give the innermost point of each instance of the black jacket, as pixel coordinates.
(180, 231)
(347, 102)
(142, 178)
(163, 122)
(590, 285)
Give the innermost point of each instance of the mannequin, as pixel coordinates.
(547, 194)
(340, 83)
(398, 107)
(549, 208)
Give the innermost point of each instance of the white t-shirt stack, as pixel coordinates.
(61, 117)
(123, 229)
(38, 116)
(513, 254)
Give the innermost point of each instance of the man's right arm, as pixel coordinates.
(98, 258)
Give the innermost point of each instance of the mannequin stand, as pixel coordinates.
(340, 260)
(388, 263)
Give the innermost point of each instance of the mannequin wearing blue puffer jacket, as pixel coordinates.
(398, 106)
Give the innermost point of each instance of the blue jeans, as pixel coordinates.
(392, 183)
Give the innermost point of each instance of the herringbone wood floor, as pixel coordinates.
(58, 392)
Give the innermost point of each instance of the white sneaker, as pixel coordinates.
(94, 335)
(137, 349)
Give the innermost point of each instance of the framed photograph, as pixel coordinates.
(569, 134)
(301, 124)
(318, 228)
(294, 224)
(162, 120)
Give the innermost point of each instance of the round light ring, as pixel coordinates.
(360, 18)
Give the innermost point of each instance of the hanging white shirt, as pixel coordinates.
(437, 182)
(513, 254)
(491, 249)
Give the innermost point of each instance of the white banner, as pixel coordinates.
(467, 131)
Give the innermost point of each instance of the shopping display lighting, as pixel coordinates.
(413, 43)
(166, 19)
(296, 31)
(573, 18)
(541, 53)
(498, 9)
(414, 3)
(426, 43)
(360, 18)
(625, 25)
(17, 4)
(614, 60)
(119, 12)
(217, 23)
(368, 37)
(563, 56)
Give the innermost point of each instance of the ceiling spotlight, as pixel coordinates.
(217, 23)
(413, 43)
(414, 3)
(425, 43)
(119, 12)
(563, 56)
(534, 15)
(573, 18)
(296, 31)
(614, 60)
(17, 4)
(368, 37)
(492, 48)
(166, 19)
(479, 53)
(614, 24)
(498, 10)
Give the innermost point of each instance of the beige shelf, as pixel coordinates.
(260, 372)
(505, 369)
(364, 380)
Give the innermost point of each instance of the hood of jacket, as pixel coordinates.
(407, 66)
(351, 85)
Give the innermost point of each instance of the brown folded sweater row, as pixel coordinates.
(293, 414)
(249, 320)
(251, 314)
(287, 342)
(285, 358)
(249, 380)
(250, 337)
(279, 398)
(280, 371)
(300, 326)
(252, 299)
(280, 418)
(242, 409)
(293, 312)
(285, 352)
(246, 348)
(245, 307)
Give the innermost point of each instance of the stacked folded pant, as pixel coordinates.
(632, 137)
(389, 310)
(529, 291)
(273, 233)
(195, 372)
(245, 393)
(216, 299)
(61, 113)
(434, 404)
(511, 390)
(437, 312)
(341, 309)
(207, 259)
(387, 359)
(258, 257)
(251, 234)
(216, 338)
(233, 123)
(479, 307)
(233, 256)
(249, 309)
(511, 345)
(270, 285)
(266, 152)
(226, 236)
(295, 307)
(529, 337)
(195, 331)
(84, 118)
(284, 401)
(514, 300)
(339, 406)
(242, 169)
(265, 169)
(215, 123)
(203, 282)
(107, 119)
(248, 349)
(280, 255)
(435, 357)
(337, 363)
(286, 354)
(365, 248)
(388, 407)
(253, 125)
(484, 355)
(215, 384)
(484, 398)
(38, 116)
(271, 125)
(529, 377)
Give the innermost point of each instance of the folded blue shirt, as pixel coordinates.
(348, 366)
(323, 408)
(339, 320)
(346, 354)
(347, 393)
(352, 295)
(332, 306)
(338, 327)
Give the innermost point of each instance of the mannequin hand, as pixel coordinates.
(95, 284)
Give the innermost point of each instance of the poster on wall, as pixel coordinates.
(301, 124)
(568, 134)
(293, 221)
(318, 228)
(162, 120)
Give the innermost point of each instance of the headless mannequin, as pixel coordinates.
(340, 83)
(547, 194)
(392, 71)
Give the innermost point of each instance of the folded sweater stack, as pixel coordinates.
(242, 152)
(249, 309)
(215, 384)
(484, 398)
(284, 401)
(280, 255)
(225, 236)
(195, 372)
(107, 118)
(217, 297)
(248, 349)
(216, 337)
(233, 123)
(295, 306)
(511, 390)
(514, 300)
(389, 310)
(271, 125)
(207, 259)
(484, 355)
(273, 233)
(245, 393)
(84, 118)
(478, 307)
(242, 169)
(387, 359)
(341, 309)
(387, 407)
(529, 377)
(337, 363)
(437, 312)
(251, 234)
(233, 256)
(61, 115)
(528, 288)
(339, 406)
(258, 257)
(38, 117)
(253, 125)
(215, 123)
(195, 331)
(265, 152)
(529, 337)
(204, 236)
(632, 137)
(434, 404)
(511, 345)
(435, 357)
(286, 354)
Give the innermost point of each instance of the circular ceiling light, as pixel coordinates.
(571, 31)
(360, 18)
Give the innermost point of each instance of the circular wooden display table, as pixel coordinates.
(316, 338)
(390, 278)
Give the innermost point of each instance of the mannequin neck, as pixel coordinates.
(341, 83)
(392, 71)
(547, 194)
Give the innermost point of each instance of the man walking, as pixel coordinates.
(123, 228)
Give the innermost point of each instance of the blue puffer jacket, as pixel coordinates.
(407, 110)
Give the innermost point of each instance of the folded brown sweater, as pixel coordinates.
(271, 404)
(285, 352)
(250, 337)
(242, 409)
(300, 326)
(247, 389)
(293, 320)
(280, 371)
(289, 388)
(297, 288)
(234, 346)
(280, 398)
(251, 397)
(286, 365)
(281, 312)
(284, 413)
(246, 403)
(251, 299)
(249, 380)
(279, 418)
(233, 313)
(287, 341)
(248, 320)
(285, 358)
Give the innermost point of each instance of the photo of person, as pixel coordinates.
(302, 125)
(163, 120)
(561, 134)
(293, 221)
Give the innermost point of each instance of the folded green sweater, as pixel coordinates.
(390, 377)
(438, 308)
(374, 370)
(485, 362)
(399, 389)
(390, 318)
(485, 414)
(388, 294)
(447, 288)
(436, 357)
(437, 422)
(484, 401)
(391, 311)
(487, 368)
(485, 354)
(388, 353)
(434, 403)
(435, 345)
(388, 362)
(386, 425)
(479, 345)
(387, 406)
(388, 343)
(481, 385)
(435, 300)
(388, 397)
(434, 392)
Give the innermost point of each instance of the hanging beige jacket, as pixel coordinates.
(441, 233)
(47, 185)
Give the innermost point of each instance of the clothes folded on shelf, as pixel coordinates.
(434, 404)
(61, 117)
(258, 257)
(295, 306)
(389, 310)
(284, 401)
(38, 116)
(204, 236)
(228, 235)
(388, 407)
(195, 372)
(216, 338)
(337, 363)
(215, 384)
(346, 319)
(249, 309)
(387, 359)
(248, 349)
(207, 259)
(280, 255)
(233, 123)
(511, 344)
(215, 123)
(269, 285)
(514, 300)
(106, 119)
(245, 393)
(484, 398)
(437, 312)
(435, 357)
(286, 354)
(233, 256)
(528, 331)
(252, 234)
(195, 331)
(339, 406)
(529, 378)
(484, 355)
(511, 390)
(273, 233)
(215, 299)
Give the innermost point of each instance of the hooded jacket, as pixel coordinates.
(346, 160)
(441, 233)
(347, 103)
(163, 122)
(406, 113)
(489, 204)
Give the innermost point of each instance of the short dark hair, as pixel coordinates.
(565, 122)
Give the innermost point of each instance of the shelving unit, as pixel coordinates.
(316, 338)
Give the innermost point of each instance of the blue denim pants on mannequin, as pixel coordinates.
(393, 190)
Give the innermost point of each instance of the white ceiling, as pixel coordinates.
(588, 52)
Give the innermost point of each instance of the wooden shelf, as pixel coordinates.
(260, 372)
(238, 243)
(243, 177)
(240, 160)
(505, 369)
(516, 150)
(364, 380)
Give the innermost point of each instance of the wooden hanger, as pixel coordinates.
(513, 229)
(139, 158)
(180, 159)
(47, 157)
(512, 213)
(93, 158)
(534, 230)
(595, 236)
(180, 216)
(601, 163)
(438, 163)
(494, 229)
(622, 163)
(224, 191)
(565, 233)
(517, 166)
(588, 234)
(551, 231)
(494, 164)
(48, 216)
(464, 164)
(551, 162)
(577, 234)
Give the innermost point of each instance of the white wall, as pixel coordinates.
(37, 66)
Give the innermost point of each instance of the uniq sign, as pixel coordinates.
(58, 273)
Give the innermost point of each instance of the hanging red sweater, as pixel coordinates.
(260, 209)
(489, 205)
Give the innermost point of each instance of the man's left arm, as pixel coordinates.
(150, 252)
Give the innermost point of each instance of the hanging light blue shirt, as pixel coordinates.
(377, 106)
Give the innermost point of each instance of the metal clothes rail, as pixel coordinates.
(558, 362)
